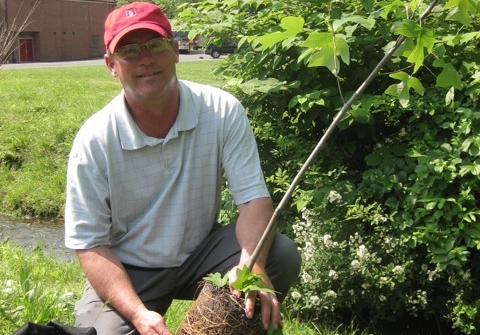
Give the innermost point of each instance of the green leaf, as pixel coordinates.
(460, 10)
(374, 159)
(426, 40)
(292, 25)
(402, 89)
(361, 115)
(317, 40)
(368, 4)
(424, 37)
(408, 28)
(325, 58)
(472, 232)
(249, 282)
(421, 171)
(217, 279)
(449, 76)
(301, 204)
(342, 48)
(367, 23)
(327, 50)
(450, 96)
(389, 7)
(268, 85)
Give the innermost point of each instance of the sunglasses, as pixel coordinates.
(156, 45)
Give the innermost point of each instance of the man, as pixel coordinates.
(144, 189)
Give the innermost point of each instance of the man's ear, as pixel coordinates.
(111, 65)
(176, 51)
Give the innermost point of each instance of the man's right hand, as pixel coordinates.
(150, 323)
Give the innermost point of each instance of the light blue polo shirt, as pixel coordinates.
(154, 200)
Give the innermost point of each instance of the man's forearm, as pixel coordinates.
(108, 277)
(252, 221)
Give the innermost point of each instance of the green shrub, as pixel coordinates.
(405, 238)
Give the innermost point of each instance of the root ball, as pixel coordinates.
(217, 312)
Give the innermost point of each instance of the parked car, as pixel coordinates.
(228, 46)
(183, 42)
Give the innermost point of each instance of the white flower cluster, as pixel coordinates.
(308, 251)
(419, 301)
(307, 215)
(301, 228)
(298, 229)
(362, 253)
(334, 196)
(398, 270)
(378, 218)
(315, 299)
(432, 275)
(355, 264)
(390, 244)
(331, 294)
(365, 286)
(296, 295)
(308, 238)
(306, 278)
(333, 274)
(328, 242)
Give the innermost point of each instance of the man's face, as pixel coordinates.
(150, 75)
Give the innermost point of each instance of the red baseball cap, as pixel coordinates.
(133, 16)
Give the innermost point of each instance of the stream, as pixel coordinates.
(29, 234)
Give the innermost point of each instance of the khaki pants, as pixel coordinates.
(219, 252)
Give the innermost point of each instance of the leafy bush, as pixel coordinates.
(387, 216)
(407, 243)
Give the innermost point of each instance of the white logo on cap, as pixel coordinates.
(131, 12)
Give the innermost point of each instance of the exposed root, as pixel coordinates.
(217, 312)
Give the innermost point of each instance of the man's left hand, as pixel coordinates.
(269, 304)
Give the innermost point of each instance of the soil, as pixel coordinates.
(217, 312)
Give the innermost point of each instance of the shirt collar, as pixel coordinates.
(132, 138)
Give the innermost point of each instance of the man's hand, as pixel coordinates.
(149, 323)
(269, 304)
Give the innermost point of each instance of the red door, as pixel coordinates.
(26, 49)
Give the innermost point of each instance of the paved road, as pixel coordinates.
(193, 55)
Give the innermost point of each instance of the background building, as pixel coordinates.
(57, 29)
